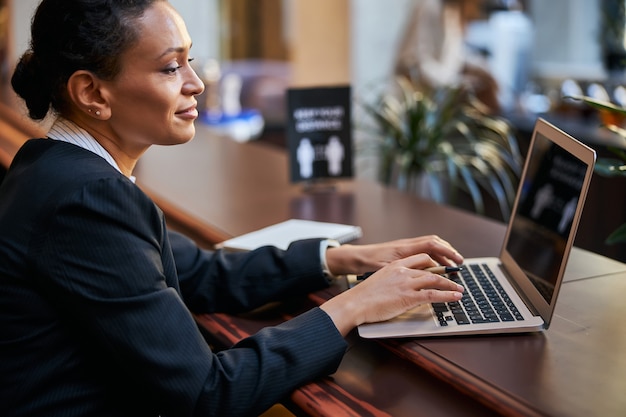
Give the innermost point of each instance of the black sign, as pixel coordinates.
(319, 133)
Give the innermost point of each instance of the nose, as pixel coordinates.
(193, 85)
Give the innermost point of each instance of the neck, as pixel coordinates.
(123, 154)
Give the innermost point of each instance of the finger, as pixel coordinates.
(445, 254)
(438, 296)
(425, 281)
(417, 262)
(439, 249)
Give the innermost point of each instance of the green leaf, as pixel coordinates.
(608, 167)
(446, 134)
(494, 188)
(599, 104)
(435, 186)
(620, 153)
(472, 188)
(617, 236)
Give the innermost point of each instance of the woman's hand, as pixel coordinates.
(396, 288)
(358, 259)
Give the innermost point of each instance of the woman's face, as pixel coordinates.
(152, 98)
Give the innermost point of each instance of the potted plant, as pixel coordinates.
(612, 118)
(445, 142)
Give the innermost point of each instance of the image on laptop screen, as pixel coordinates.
(542, 224)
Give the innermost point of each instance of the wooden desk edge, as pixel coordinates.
(462, 380)
(313, 397)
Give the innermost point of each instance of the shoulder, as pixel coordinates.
(42, 163)
(56, 163)
(62, 155)
(54, 174)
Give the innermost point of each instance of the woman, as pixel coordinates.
(431, 52)
(97, 295)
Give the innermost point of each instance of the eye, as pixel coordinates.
(171, 70)
(174, 69)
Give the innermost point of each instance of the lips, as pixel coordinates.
(189, 112)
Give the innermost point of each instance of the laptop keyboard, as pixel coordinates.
(484, 299)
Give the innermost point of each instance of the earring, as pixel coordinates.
(97, 112)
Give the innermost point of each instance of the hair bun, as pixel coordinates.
(29, 82)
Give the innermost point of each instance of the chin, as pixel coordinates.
(181, 136)
(178, 141)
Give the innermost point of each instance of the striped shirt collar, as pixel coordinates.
(67, 131)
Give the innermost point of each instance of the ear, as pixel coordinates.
(85, 91)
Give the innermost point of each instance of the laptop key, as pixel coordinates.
(485, 301)
(507, 317)
(461, 318)
(440, 307)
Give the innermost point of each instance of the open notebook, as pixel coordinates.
(517, 291)
(283, 233)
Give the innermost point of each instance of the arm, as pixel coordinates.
(117, 294)
(240, 281)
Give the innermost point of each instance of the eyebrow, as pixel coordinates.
(178, 49)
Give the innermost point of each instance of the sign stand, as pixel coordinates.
(319, 136)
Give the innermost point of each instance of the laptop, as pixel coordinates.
(521, 284)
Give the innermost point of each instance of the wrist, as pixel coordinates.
(348, 259)
(343, 312)
(324, 246)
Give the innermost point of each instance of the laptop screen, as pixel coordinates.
(542, 222)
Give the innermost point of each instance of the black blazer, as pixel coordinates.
(96, 299)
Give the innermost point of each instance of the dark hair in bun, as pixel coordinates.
(72, 35)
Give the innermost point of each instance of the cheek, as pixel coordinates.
(149, 104)
(143, 116)
(146, 98)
